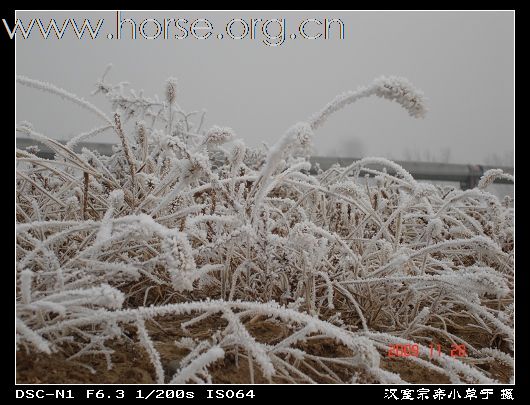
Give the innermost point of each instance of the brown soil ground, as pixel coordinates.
(130, 364)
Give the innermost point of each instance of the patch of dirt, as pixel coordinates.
(131, 365)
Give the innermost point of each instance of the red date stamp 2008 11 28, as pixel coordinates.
(413, 350)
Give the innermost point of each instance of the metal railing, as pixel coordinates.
(466, 175)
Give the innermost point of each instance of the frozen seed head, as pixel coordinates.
(435, 227)
(297, 138)
(237, 155)
(483, 280)
(393, 88)
(304, 137)
(403, 92)
(218, 135)
(171, 90)
(196, 166)
(140, 132)
(116, 197)
(490, 176)
(301, 235)
(26, 125)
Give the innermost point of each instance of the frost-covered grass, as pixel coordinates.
(188, 223)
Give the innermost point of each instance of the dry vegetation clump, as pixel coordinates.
(230, 264)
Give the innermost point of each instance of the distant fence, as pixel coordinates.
(466, 175)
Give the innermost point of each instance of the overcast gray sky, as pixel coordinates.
(463, 61)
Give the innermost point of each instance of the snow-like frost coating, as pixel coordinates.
(304, 278)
